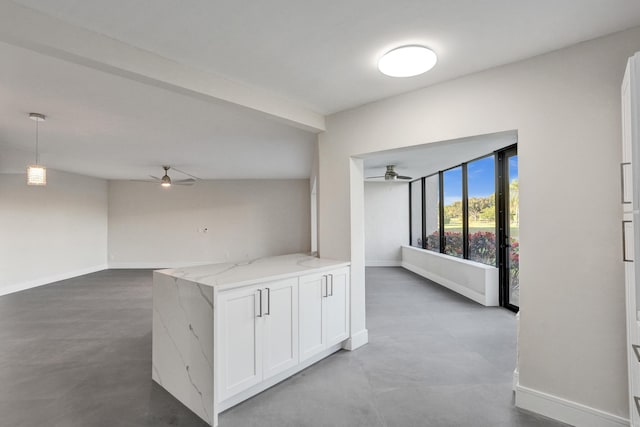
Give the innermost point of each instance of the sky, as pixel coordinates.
(481, 178)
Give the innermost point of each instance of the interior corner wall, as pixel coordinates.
(386, 222)
(212, 221)
(565, 106)
(53, 232)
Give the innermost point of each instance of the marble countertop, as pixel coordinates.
(227, 275)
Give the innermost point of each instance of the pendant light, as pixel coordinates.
(36, 173)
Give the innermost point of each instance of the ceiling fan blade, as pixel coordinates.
(184, 182)
(371, 177)
(403, 177)
(155, 178)
(185, 173)
(141, 180)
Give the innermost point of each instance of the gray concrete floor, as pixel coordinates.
(78, 353)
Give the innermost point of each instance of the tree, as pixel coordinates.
(514, 202)
(488, 214)
(478, 204)
(454, 210)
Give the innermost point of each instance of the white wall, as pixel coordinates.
(51, 233)
(150, 226)
(565, 106)
(386, 222)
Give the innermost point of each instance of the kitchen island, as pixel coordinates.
(225, 332)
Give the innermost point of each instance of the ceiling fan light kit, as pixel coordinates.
(165, 181)
(36, 173)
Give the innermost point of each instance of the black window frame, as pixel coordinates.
(465, 205)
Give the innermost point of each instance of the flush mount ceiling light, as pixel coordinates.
(407, 61)
(37, 174)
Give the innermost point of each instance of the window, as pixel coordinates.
(432, 212)
(453, 220)
(415, 189)
(481, 185)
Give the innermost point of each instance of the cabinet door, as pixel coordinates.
(337, 303)
(311, 291)
(627, 144)
(240, 340)
(280, 304)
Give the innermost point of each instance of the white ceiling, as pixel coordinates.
(111, 127)
(423, 160)
(224, 89)
(323, 53)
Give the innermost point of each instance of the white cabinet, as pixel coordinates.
(280, 327)
(240, 341)
(630, 175)
(225, 332)
(258, 334)
(626, 172)
(324, 311)
(337, 304)
(312, 315)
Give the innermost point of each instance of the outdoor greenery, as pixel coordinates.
(482, 248)
(483, 209)
(482, 226)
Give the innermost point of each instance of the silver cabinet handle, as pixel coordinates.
(324, 291)
(260, 302)
(636, 350)
(331, 294)
(268, 312)
(622, 181)
(624, 241)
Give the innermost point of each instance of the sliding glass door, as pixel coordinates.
(509, 227)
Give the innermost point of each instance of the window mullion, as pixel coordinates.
(441, 211)
(424, 213)
(465, 213)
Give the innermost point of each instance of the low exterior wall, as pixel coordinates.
(474, 280)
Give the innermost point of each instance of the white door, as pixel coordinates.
(280, 306)
(311, 291)
(240, 340)
(337, 303)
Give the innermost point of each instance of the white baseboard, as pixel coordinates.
(357, 340)
(383, 263)
(155, 265)
(17, 287)
(462, 290)
(564, 410)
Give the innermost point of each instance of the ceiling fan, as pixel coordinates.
(391, 175)
(166, 180)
